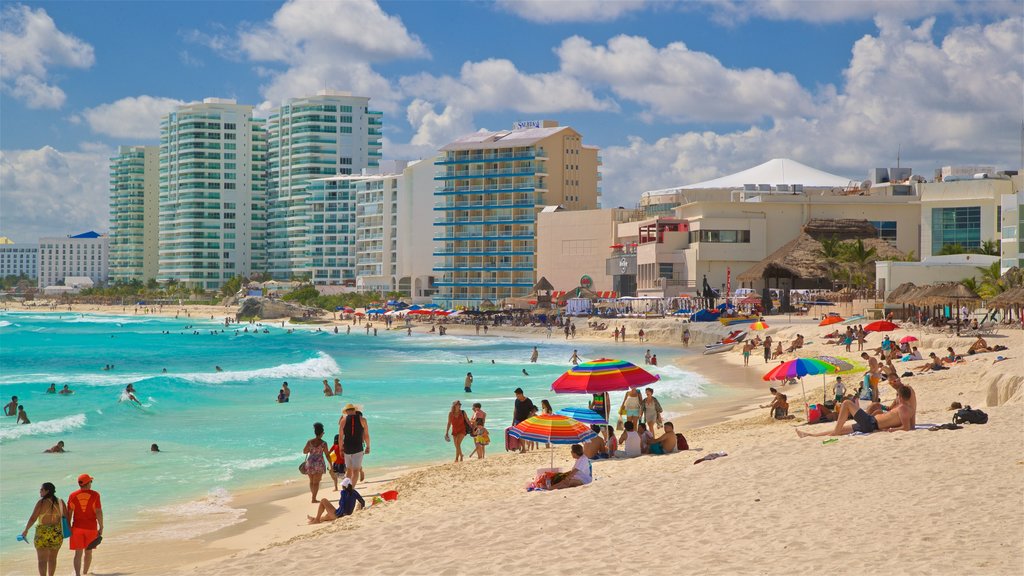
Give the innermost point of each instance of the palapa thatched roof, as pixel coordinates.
(894, 296)
(801, 257)
(949, 292)
(542, 284)
(1009, 298)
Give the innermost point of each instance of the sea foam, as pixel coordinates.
(58, 426)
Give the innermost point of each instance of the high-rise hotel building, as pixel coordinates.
(134, 213)
(331, 133)
(212, 216)
(490, 187)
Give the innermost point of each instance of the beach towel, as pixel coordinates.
(712, 456)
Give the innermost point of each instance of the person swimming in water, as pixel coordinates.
(65, 390)
(129, 393)
(52, 389)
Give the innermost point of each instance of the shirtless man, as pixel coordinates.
(65, 390)
(901, 418)
(337, 387)
(11, 409)
(22, 417)
(57, 448)
(666, 443)
(595, 447)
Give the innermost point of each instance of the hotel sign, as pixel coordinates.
(526, 124)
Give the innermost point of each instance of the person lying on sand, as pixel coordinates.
(346, 505)
(900, 418)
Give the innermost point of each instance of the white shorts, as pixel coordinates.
(354, 460)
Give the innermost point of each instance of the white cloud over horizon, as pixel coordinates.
(31, 45)
(48, 192)
(547, 12)
(134, 117)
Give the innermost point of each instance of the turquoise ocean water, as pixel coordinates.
(224, 431)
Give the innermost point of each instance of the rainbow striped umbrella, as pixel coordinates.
(759, 326)
(584, 415)
(798, 368)
(553, 429)
(603, 375)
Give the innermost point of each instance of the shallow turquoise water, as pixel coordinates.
(224, 431)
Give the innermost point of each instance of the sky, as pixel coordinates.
(672, 92)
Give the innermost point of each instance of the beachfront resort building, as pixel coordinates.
(573, 249)
(212, 215)
(134, 214)
(18, 259)
(330, 133)
(373, 231)
(490, 185)
(83, 255)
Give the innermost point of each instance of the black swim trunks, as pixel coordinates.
(866, 423)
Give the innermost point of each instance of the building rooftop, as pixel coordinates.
(502, 138)
(772, 173)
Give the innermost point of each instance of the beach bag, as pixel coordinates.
(681, 443)
(970, 415)
(813, 414)
(511, 442)
(302, 468)
(65, 526)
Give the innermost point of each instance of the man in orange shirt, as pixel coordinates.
(86, 522)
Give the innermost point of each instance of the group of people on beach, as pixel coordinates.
(344, 460)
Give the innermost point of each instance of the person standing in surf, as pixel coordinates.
(355, 441)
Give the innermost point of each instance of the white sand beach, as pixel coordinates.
(919, 502)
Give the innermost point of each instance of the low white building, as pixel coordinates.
(85, 255)
(18, 259)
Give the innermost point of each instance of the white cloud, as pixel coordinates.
(49, 192)
(30, 45)
(135, 117)
(489, 85)
(549, 11)
(330, 44)
(956, 101)
(680, 84)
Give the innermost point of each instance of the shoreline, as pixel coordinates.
(272, 521)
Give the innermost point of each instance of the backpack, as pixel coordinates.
(969, 415)
(681, 442)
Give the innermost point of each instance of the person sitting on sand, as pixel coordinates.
(346, 505)
(667, 443)
(327, 389)
(778, 351)
(915, 354)
(951, 357)
(632, 445)
(900, 418)
(934, 364)
(595, 448)
(779, 407)
(796, 344)
(580, 474)
(57, 448)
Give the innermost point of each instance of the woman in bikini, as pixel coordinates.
(458, 426)
(316, 459)
(49, 534)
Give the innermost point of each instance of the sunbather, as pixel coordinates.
(900, 418)
(934, 364)
(346, 505)
(952, 357)
(979, 346)
(667, 443)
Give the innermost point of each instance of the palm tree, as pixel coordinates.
(991, 283)
(861, 257)
(831, 250)
(971, 284)
(989, 248)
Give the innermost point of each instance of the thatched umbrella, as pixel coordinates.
(1008, 299)
(951, 292)
(894, 296)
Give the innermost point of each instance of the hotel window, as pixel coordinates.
(665, 270)
(961, 225)
(886, 229)
(720, 236)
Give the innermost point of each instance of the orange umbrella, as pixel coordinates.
(758, 326)
(829, 320)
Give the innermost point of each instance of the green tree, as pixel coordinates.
(232, 286)
(951, 249)
(861, 259)
(991, 283)
(989, 248)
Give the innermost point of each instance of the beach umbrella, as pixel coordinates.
(415, 307)
(602, 375)
(553, 429)
(759, 326)
(906, 339)
(880, 326)
(584, 415)
(829, 320)
(347, 309)
(842, 364)
(360, 314)
(798, 368)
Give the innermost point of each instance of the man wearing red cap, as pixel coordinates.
(86, 522)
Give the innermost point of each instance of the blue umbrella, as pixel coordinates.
(415, 307)
(431, 305)
(584, 415)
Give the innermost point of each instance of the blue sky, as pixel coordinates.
(672, 92)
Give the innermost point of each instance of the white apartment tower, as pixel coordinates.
(212, 193)
(18, 259)
(83, 255)
(134, 213)
(331, 133)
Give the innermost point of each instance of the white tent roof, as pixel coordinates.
(774, 172)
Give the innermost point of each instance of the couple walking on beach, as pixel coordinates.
(80, 519)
